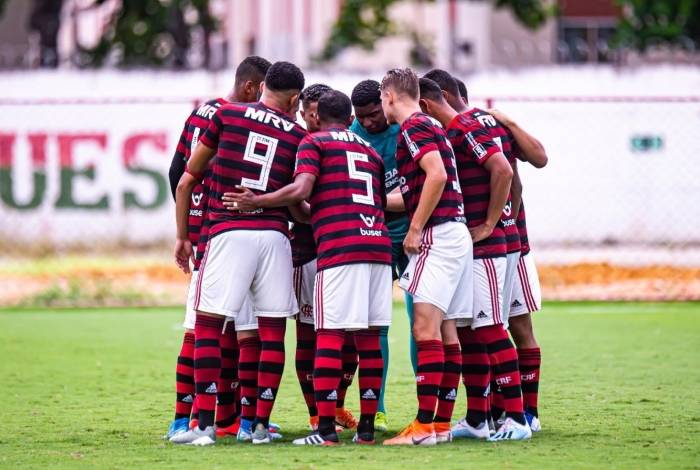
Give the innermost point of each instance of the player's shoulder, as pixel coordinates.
(421, 121)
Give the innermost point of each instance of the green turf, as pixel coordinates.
(95, 389)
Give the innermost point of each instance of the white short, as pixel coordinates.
(190, 312)
(489, 277)
(246, 319)
(512, 260)
(353, 297)
(304, 280)
(527, 295)
(441, 274)
(242, 262)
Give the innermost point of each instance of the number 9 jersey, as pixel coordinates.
(255, 148)
(347, 203)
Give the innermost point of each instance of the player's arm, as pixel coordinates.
(301, 212)
(290, 195)
(500, 176)
(516, 190)
(434, 185)
(394, 201)
(532, 149)
(177, 166)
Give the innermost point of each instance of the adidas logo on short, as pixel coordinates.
(481, 314)
(516, 303)
(187, 399)
(267, 394)
(211, 388)
(406, 276)
(369, 395)
(332, 396)
(244, 401)
(452, 396)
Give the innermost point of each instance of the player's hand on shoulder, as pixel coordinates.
(183, 253)
(480, 232)
(243, 201)
(413, 241)
(500, 116)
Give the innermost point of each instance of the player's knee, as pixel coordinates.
(247, 334)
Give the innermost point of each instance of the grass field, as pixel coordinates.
(94, 388)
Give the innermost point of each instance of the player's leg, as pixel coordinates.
(337, 297)
(249, 345)
(227, 409)
(272, 293)
(221, 294)
(304, 278)
(526, 300)
(343, 416)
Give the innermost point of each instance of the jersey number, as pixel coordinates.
(264, 160)
(356, 174)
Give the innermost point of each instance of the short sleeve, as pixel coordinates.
(421, 138)
(210, 138)
(308, 158)
(480, 145)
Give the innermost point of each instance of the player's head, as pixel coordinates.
(334, 108)
(431, 96)
(462, 91)
(367, 100)
(399, 88)
(282, 87)
(448, 85)
(309, 105)
(250, 73)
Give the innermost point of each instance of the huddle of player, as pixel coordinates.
(419, 186)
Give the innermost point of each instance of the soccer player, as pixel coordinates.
(371, 124)
(249, 74)
(462, 91)
(304, 259)
(343, 179)
(255, 147)
(439, 248)
(526, 297)
(485, 177)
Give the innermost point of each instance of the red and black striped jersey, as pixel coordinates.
(348, 199)
(255, 148)
(303, 244)
(522, 229)
(421, 134)
(473, 146)
(195, 125)
(503, 138)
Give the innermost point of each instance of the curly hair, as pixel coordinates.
(366, 92)
(312, 93)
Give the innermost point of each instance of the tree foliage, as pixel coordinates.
(647, 23)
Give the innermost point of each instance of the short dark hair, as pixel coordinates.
(402, 80)
(284, 76)
(444, 80)
(252, 68)
(312, 93)
(429, 90)
(462, 88)
(366, 92)
(334, 106)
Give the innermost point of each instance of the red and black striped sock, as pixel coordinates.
(304, 361)
(271, 331)
(371, 370)
(248, 375)
(350, 361)
(226, 406)
(496, 400)
(207, 365)
(327, 372)
(184, 378)
(431, 360)
(504, 367)
(530, 361)
(476, 373)
(447, 393)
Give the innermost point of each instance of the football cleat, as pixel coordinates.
(533, 421)
(442, 432)
(261, 434)
(463, 430)
(229, 430)
(381, 423)
(245, 430)
(363, 438)
(416, 433)
(196, 437)
(177, 426)
(344, 418)
(316, 439)
(492, 426)
(512, 431)
(274, 427)
(194, 422)
(313, 423)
